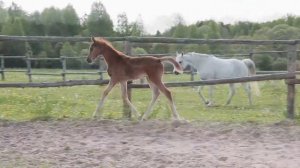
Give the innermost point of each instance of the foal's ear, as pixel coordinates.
(182, 54)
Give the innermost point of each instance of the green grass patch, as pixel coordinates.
(80, 101)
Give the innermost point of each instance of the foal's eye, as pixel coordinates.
(180, 62)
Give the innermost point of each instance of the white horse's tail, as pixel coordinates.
(252, 71)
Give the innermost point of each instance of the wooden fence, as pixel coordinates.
(64, 71)
(290, 76)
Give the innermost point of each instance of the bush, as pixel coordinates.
(280, 64)
(138, 50)
(263, 62)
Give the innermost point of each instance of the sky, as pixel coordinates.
(161, 14)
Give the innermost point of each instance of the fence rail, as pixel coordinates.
(169, 84)
(64, 72)
(148, 40)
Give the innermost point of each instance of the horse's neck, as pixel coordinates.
(112, 56)
(196, 61)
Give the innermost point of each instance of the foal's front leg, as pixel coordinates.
(110, 85)
(126, 100)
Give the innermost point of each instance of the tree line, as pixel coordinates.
(65, 22)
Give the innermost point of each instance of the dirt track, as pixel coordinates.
(148, 144)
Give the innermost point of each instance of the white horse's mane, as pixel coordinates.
(199, 54)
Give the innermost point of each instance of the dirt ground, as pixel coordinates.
(155, 144)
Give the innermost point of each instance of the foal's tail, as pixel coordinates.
(252, 71)
(171, 60)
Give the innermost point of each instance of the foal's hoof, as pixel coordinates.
(97, 117)
(177, 123)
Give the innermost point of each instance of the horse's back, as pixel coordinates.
(240, 69)
(226, 68)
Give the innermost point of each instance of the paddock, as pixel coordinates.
(289, 76)
(213, 137)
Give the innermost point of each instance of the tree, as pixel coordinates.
(52, 20)
(35, 26)
(68, 51)
(123, 28)
(14, 27)
(284, 32)
(137, 27)
(3, 15)
(71, 21)
(180, 31)
(99, 22)
(14, 11)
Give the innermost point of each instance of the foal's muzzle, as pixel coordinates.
(176, 73)
(89, 60)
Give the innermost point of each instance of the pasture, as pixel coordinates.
(79, 102)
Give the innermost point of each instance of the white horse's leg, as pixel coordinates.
(155, 94)
(110, 85)
(126, 100)
(231, 93)
(200, 88)
(211, 92)
(247, 88)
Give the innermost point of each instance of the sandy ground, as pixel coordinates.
(155, 144)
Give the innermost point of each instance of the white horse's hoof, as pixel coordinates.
(209, 104)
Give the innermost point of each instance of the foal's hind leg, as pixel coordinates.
(231, 93)
(155, 94)
(126, 100)
(110, 85)
(168, 94)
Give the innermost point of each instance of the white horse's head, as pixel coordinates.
(180, 60)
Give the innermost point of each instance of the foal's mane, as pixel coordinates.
(107, 44)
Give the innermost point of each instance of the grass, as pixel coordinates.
(80, 101)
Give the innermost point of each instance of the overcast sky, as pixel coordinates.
(159, 14)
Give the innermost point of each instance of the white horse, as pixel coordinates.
(211, 67)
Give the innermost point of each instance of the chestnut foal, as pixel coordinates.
(122, 68)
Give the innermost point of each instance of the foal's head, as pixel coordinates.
(97, 48)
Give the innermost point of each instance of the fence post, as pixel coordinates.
(126, 108)
(100, 70)
(251, 55)
(28, 63)
(64, 67)
(291, 66)
(2, 68)
(192, 73)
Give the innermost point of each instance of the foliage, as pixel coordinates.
(138, 50)
(125, 28)
(99, 22)
(280, 64)
(53, 21)
(264, 62)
